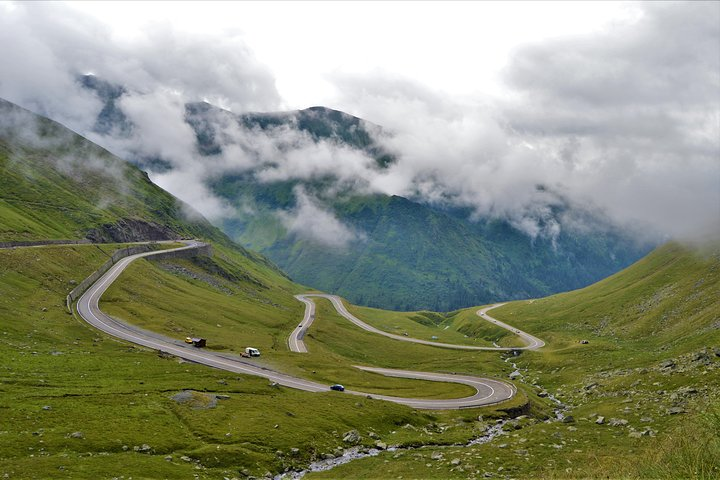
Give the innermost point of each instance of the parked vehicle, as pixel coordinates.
(337, 387)
(253, 352)
(196, 342)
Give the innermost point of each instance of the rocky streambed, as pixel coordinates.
(359, 452)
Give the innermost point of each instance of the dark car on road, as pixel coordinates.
(337, 387)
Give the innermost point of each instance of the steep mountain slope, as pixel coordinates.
(402, 253)
(56, 184)
(408, 255)
(411, 256)
(664, 305)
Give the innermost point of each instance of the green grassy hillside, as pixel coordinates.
(461, 327)
(650, 369)
(58, 376)
(79, 404)
(181, 299)
(55, 184)
(643, 393)
(667, 304)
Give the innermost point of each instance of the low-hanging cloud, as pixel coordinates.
(160, 72)
(86, 162)
(459, 152)
(624, 122)
(310, 221)
(634, 113)
(627, 121)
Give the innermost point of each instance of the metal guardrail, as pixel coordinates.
(117, 255)
(75, 293)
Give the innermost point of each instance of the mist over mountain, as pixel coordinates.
(56, 184)
(568, 152)
(300, 184)
(639, 144)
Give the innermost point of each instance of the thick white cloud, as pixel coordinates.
(634, 113)
(52, 44)
(34, 76)
(625, 120)
(49, 45)
(184, 184)
(310, 221)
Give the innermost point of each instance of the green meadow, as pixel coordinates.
(79, 404)
(643, 393)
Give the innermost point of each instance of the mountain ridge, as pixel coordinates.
(267, 199)
(57, 184)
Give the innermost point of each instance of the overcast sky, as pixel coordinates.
(456, 47)
(613, 105)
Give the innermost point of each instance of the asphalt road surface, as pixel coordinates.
(297, 345)
(295, 340)
(488, 391)
(532, 342)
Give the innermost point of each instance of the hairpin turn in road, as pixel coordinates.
(488, 391)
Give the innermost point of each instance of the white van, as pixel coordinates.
(253, 352)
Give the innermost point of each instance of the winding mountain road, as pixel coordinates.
(296, 343)
(488, 391)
